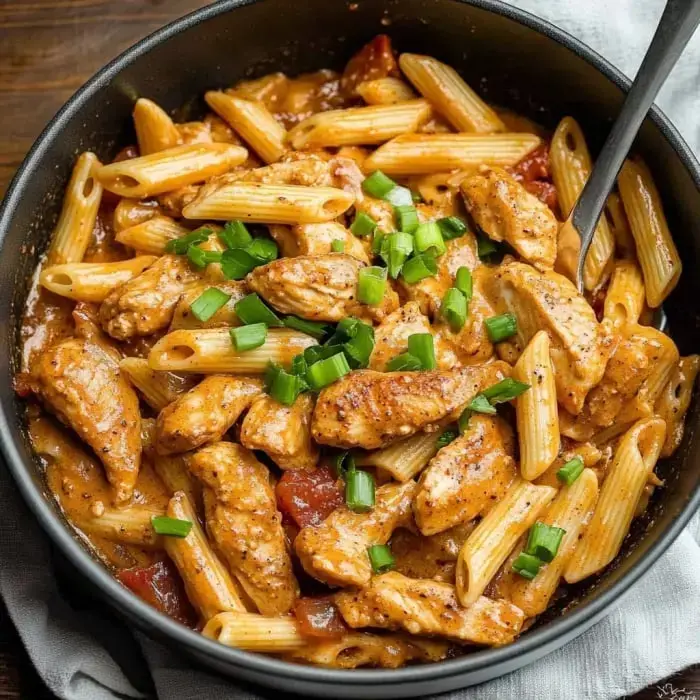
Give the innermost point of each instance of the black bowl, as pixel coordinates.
(517, 61)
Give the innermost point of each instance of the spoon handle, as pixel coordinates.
(677, 24)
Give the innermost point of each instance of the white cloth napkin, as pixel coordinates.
(84, 655)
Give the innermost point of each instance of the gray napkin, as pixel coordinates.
(82, 653)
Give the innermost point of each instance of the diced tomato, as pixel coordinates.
(373, 61)
(318, 617)
(127, 153)
(160, 585)
(544, 191)
(309, 497)
(534, 166)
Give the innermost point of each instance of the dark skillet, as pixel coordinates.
(517, 61)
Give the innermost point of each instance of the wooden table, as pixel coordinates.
(48, 48)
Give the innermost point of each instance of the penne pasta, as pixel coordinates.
(253, 122)
(254, 202)
(495, 536)
(169, 169)
(158, 389)
(632, 465)
(656, 251)
(151, 236)
(176, 477)
(73, 231)
(536, 409)
(624, 300)
(415, 154)
(404, 459)
(131, 525)
(385, 91)
(615, 215)
(92, 282)
(210, 351)
(443, 87)
(155, 130)
(253, 632)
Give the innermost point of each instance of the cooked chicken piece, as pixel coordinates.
(243, 520)
(223, 318)
(391, 338)
(421, 606)
(580, 346)
(318, 287)
(371, 409)
(204, 413)
(82, 385)
(146, 304)
(316, 239)
(466, 477)
(283, 432)
(506, 211)
(336, 551)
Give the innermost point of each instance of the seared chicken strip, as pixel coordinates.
(466, 477)
(204, 413)
(371, 409)
(146, 304)
(336, 551)
(223, 318)
(316, 239)
(317, 287)
(243, 520)
(81, 383)
(424, 606)
(506, 211)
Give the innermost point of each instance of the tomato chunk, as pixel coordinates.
(309, 497)
(160, 585)
(373, 61)
(534, 166)
(545, 192)
(318, 617)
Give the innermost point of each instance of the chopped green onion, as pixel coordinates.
(248, 337)
(380, 558)
(452, 227)
(299, 365)
(505, 390)
(501, 327)
(179, 246)
(421, 345)
(419, 267)
(399, 196)
(208, 303)
(527, 565)
(378, 185)
(338, 246)
(325, 372)
(172, 527)
(571, 471)
(315, 353)
(313, 328)
(543, 541)
(428, 236)
(377, 242)
(252, 309)
(283, 386)
(446, 438)
(235, 235)
(464, 282)
(406, 218)
(263, 250)
(480, 404)
(404, 363)
(236, 264)
(343, 463)
(463, 420)
(359, 491)
(416, 197)
(359, 347)
(454, 309)
(363, 225)
(371, 285)
(485, 248)
(201, 258)
(399, 247)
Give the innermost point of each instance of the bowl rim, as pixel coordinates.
(150, 620)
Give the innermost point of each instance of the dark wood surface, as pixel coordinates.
(48, 48)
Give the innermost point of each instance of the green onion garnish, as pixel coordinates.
(501, 327)
(485, 248)
(313, 328)
(464, 282)
(404, 363)
(359, 346)
(454, 309)
(172, 527)
(378, 185)
(237, 263)
(363, 225)
(208, 303)
(543, 541)
(381, 558)
(505, 390)
(252, 309)
(359, 491)
(179, 246)
(235, 235)
(201, 258)
(325, 372)
(571, 471)
(398, 247)
(248, 337)
(338, 246)
(480, 404)
(527, 565)
(452, 227)
(263, 250)
(283, 386)
(428, 236)
(343, 462)
(399, 196)
(406, 218)
(446, 438)
(371, 285)
(416, 197)
(463, 420)
(419, 267)
(299, 365)
(377, 242)
(421, 345)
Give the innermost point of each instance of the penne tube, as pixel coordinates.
(656, 251)
(443, 87)
(210, 351)
(624, 300)
(92, 282)
(571, 165)
(253, 122)
(360, 126)
(254, 202)
(130, 525)
(158, 389)
(151, 236)
(632, 465)
(81, 202)
(253, 632)
(404, 459)
(536, 409)
(385, 91)
(155, 130)
(495, 536)
(131, 212)
(176, 477)
(415, 154)
(170, 169)
(617, 221)
(208, 583)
